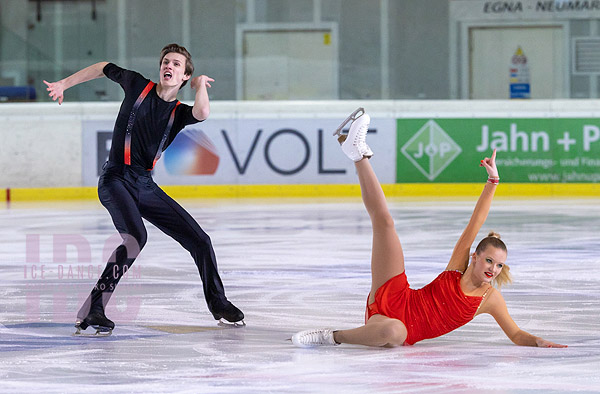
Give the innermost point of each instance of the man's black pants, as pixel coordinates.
(129, 194)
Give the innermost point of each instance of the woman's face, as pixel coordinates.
(488, 263)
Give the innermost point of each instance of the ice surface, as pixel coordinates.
(291, 265)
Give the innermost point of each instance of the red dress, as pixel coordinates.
(429, 312)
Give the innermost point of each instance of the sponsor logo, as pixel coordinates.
(191, 153)
(431, 150)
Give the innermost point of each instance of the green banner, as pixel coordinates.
(529, 150)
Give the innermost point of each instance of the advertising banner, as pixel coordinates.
(529, 150)
(252, 151)
(524, 9)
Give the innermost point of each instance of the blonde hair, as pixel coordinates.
(493, 239)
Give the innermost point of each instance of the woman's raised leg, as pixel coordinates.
(387, 258)
(387, 261)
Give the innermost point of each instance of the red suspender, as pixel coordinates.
(131, 120)
(165, 135)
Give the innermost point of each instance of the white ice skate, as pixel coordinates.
(354, 144)
(353, 116)
(312, 338)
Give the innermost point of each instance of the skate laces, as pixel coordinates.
(354, 143)
(360, 139)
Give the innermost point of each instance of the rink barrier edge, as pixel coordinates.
(564, 190)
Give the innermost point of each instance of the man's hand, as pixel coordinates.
(200, 81)
(56, 90)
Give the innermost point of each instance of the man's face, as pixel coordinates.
(172, 70)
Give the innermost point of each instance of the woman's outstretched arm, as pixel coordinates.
(496, 306)
(460, 255)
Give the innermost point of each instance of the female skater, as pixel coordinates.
(149, 119)
(398, 315)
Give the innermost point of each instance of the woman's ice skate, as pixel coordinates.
(312, 338)
(353, 116)
(354, 144)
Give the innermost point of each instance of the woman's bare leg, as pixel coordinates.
(387, 258)
(379, 331)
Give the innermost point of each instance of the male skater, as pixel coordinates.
(149, 119)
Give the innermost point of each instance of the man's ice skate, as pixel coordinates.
(97, 321)
(229, 315)
(312, 338)
(354, 144)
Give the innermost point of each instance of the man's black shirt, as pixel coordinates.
(150, 122)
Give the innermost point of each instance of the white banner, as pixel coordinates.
(253, 151)
(524, 9)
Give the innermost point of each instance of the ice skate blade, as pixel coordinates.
(101, 332)
(353, 116)
(227, 324)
